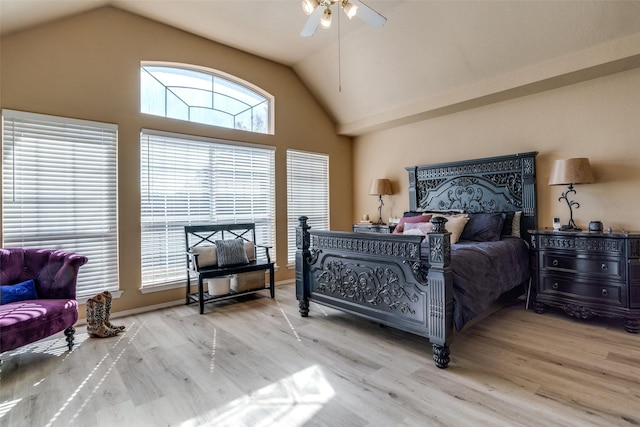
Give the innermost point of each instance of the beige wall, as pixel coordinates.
(598, 119)
(87, 67)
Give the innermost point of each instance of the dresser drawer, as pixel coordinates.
(588, 273)
(603, 267)
(609, 294)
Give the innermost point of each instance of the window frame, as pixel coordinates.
(61, 173)
(204, 208)
(214, 74)
(318, 214)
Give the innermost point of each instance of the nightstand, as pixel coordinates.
(373, 228)
(588, 274)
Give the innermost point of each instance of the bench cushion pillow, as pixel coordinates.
(231, 252)
(208, 254)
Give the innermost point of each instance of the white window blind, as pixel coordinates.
(59, 191)
(307, 194)
(189, 180)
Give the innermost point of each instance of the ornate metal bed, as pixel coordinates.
(383, 277)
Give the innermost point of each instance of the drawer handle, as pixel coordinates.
(555, 285)
(604, 267)
(554, 263)
(605, 293)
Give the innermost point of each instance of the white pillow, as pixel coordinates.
(420, 228)
(413, 232)
(454, 225)
(250, 249)
(515, 224)
(207, 255)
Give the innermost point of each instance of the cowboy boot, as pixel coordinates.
(107, 314)
(95, 318)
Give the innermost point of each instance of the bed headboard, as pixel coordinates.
(492, 184)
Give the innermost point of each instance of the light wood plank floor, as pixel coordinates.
(255, 362)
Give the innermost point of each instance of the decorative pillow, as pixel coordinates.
(507, 225)
(483, 227)
(207, 255)
(414, 232)
(410, 220)
(250, 249)
(231, 252)
(515, 225)
(422, 228)
(454, 225)
(19, 292)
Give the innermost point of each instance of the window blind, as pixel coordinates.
(307, 194)
(59, 191)
(191, 180)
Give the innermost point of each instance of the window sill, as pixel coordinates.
(164, 287)
(83, 299)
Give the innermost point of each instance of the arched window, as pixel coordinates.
(204, 96)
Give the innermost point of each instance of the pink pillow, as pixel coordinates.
(410, 220)
(423, 228)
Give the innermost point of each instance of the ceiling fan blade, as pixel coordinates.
(369, 15)
(312, 22)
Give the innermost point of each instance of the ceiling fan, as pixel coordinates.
(319, 12)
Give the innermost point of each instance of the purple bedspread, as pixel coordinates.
(482, 271)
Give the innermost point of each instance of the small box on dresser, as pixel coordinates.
(588, 274)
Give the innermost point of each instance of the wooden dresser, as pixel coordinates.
(588, 274)
(373, 228)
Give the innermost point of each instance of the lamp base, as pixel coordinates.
(570, 228)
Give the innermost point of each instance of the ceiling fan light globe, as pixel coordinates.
(350, 9)
(325, 22)
(308, 6)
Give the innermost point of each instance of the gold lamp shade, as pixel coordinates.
(571, 171)
(380, 187)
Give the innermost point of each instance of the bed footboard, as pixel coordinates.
(380, 277)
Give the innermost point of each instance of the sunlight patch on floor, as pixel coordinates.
(77, 391)
(212, 365)
(320, 308)
(86, 380)
(288, 321)
(290, 402)
(56, 347)
(106, 374)
(5, 407)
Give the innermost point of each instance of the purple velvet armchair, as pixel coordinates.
(55, 309)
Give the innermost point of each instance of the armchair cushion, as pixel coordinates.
(18, 292)
(25, 322)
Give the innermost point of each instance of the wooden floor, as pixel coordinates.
(256, 362)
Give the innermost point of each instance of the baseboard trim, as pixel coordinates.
(160, 306)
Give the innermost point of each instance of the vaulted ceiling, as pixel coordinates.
(430, 58)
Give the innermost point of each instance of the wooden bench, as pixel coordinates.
(202, 254)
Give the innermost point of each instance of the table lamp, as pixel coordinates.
(570, 172)
(380, 187)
